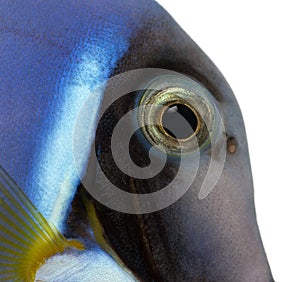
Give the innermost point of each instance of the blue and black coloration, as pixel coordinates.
(53, 55)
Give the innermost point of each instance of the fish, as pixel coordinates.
(60, 63)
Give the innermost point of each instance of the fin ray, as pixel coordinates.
(27, 239)
(23, 216)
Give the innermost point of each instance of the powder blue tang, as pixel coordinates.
(53, 56)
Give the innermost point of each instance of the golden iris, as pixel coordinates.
(174, 117)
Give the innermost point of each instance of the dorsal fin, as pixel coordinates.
(27, 240)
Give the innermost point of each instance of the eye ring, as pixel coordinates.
(160, 96)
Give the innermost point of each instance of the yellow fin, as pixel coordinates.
(27, 240)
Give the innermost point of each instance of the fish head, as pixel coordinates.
(209, 235)
(65, 62)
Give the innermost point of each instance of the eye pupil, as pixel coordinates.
(175, 126)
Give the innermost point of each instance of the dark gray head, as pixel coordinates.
(214, 239)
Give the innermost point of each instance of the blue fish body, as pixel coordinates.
(53, 56)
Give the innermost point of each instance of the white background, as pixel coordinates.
(256, 45)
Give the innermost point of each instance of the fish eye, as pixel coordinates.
(171, 122)
(177, 115)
